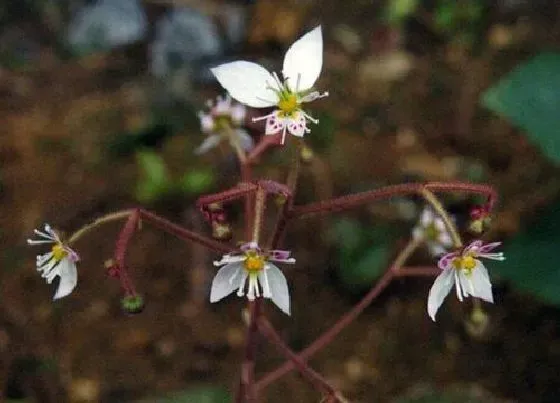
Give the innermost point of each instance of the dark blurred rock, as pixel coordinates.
(107, 24)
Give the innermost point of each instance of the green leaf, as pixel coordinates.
(154, 181)
(201, 394)
(529, 96)
(532, 261)
(197, 181)
(363, 251)
(362, 272)
(322, 134)
(399, 10)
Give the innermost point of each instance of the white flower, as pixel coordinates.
(222, 122)
(60, 261)
(252, 85)
(254, 265)
(431, 230)
(469, 275)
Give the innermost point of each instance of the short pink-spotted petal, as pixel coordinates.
(445, 261)
(297, 126)
(274, 123)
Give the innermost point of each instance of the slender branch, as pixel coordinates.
(438, 208)
(183, 233)
(260, 206)
(345, 320)
(267, 330)
(229, 195)
(119, 215)
(351, 201)
(421, 271)
(264, 143)
(246, 389)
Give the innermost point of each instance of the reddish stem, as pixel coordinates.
(246, 389)
(183, 233)
(267, 330)
(347, 202)
(330, 334)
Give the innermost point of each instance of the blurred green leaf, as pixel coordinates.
(154, 181)
(530, 98)
(363, 251)
(197, 181)
(323, 133)
(399, 10)
(201, 394)
(532, 258)
(152, 136)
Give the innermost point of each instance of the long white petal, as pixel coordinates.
(249, 83)
(278, 288)
(304, 60)
(208, 143)
(68, 275)
(441, 287)
(245, 140)
(481, 284)
(223, 283)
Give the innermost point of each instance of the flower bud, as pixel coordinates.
(132, 304)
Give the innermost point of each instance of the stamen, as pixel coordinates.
(316, 121)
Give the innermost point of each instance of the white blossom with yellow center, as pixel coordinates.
(432, 231)
(60, 261)
(252, 85)
(466, 271)
(264, 278)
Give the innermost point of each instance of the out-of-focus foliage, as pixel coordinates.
(530, 98)
(461, 394)
(532, 258)
(363, 251)
(324, 132)
(202, 394)
(399, 10)
(155, 182)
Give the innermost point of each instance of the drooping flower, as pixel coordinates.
(252, 85)
(60, 261)
(432, 231)
(253, 265)
(466, 271)
(222, 122)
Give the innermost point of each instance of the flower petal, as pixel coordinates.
(441, 287)
(223, 282)
(245, 140)
(445, 261)
(482, 288)
(208, 143)
(68, 275)
(304, 60)
(275, 123)
(249, 83)
(297, 125)
(278, 288)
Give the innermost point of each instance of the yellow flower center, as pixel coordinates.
(466, 263)
(254, 262)
(288, 104)
(432, 233)
(222, 122)
(59, 252)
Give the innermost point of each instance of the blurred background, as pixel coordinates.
(99, 102)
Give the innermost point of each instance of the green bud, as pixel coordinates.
(132, 304)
